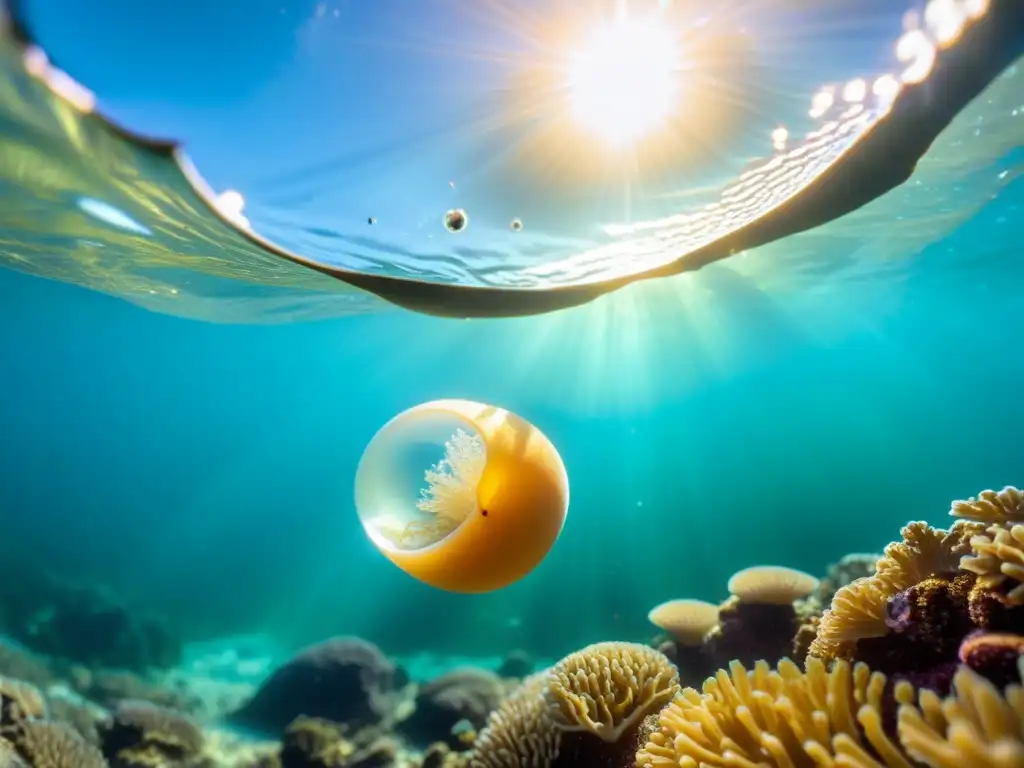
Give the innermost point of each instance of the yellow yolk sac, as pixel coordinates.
(464, 496)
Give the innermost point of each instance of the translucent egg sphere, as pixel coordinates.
(464, 496)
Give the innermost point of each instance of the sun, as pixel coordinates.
(623, 81)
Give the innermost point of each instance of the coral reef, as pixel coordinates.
(935, 601)
(784, 716)
(997, 553)
(140, 734)
(83, 624)
(850, 567)
(916, 662)
(607, 688)
(761, 620)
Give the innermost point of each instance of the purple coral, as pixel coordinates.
(994, 655)
(899, 612)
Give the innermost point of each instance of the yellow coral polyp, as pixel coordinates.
(778, 718)
(478, 519)
(977, 727)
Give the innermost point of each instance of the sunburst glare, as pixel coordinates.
(623, 81)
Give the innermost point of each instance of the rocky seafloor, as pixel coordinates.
(914, 657)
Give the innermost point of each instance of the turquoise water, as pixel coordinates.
(787, 405)
(206, 470)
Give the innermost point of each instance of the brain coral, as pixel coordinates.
(520, 733)
(783, 717)
(608, 688)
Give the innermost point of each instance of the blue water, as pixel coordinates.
(205, 471)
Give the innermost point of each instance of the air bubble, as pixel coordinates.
(456, 220)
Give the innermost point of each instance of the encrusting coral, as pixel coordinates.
(311, 742)
(140, 733)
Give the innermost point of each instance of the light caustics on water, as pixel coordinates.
(482, 516)
(88, 202)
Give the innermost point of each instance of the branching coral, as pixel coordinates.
(608, 688)
(19, 700)
(783, 717)
(923, 552)
(976, 727)
(998, 557)
(861, 610)
(997, 548)
(1004, 507)
(53, 745)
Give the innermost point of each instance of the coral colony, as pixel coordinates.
(909, 659)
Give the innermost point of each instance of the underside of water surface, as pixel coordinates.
(775, 127)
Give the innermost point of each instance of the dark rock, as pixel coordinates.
(462, 694)
(344, 680)
(517, 664)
